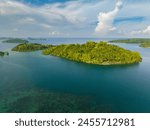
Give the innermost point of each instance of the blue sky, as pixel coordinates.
(41, 2)
(135, 19)
(75, 18)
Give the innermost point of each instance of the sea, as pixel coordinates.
(33, 82)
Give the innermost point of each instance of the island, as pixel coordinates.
(3, 53)
(145, 45)
(100, 53)
(15, 40)
(143, 42)
(30, 47)
(3, 38)
(131, 40)
(30, 38)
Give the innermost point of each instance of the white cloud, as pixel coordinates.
(27, 20)
(76, 18)
(51, 12)
(105, 20)
(36, 20)
(15, 29)
(46, 25)
(147, 30)
(54, 33)
(144, 31)
(13, 7)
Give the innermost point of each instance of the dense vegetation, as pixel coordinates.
(95, 53)
(141, 41)
(30, 47)
(3, 53)
(15, 40)
(145, 44)
(131, 40)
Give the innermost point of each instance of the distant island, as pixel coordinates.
(30, 38)
(15, 40)
(3, 38)
(142, 41)
(145, 45)
(131, 40)
(3, 53)
(30, 47)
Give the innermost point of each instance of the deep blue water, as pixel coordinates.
(125, 88)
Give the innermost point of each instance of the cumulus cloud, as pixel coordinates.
(105, 20)
(144, 31)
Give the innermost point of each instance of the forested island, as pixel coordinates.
(3, 38)
(30, 47)
(99, 53)
(141, 41)
(30, 38)
(131, 40)
(145, 45)
(3, 53)
(15, 40)
(94, 53)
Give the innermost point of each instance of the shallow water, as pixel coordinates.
(119, 88)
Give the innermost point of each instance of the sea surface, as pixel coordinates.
(32, 82)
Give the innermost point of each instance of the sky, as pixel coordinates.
(75, 18)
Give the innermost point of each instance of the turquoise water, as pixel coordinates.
(119, 88)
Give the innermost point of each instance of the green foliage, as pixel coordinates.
(95, 53)
(3, 53)
(15, 40)
(142, 41)
(145, 44)
(30, 47)
(131, 40)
